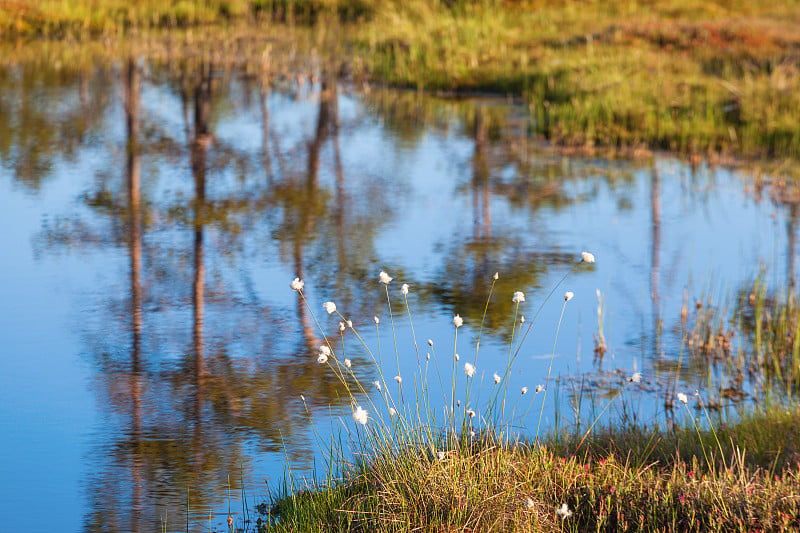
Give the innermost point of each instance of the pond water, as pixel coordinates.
(154, 215)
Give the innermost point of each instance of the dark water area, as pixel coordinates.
(154, 214)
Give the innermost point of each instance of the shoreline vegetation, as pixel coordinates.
(398, 466)
(717, 80)
(620, 479)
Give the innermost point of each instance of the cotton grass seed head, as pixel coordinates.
(539, 388)
(398, 379)
(458, 321)
(518, 297)
(392, 411)
(564, 511)
(322, 358)
(341, 327)
(348, 363)
(297, 284)
(568, 296)
(360, 415)
(330, 307)
(682, 398)
(496, 276)
(323, 349)
(470, 413)
(529, 504)
(404, 289)
(587, 257)
(385, 278)
(430, 342)
(524, 390)
(377, 320)
(636, 377)
(497, 378)
(457, 357)
(469, 369)
(377, 385)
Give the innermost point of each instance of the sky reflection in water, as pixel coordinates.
(154, 220)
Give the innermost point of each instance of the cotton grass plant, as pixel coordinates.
(416, 461)
(388, 425)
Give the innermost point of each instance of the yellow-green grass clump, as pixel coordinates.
(620, 480)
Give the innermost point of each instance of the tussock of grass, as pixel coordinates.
(627, 480)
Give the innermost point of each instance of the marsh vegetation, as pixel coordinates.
(170, 166)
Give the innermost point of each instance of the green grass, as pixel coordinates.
(719, 79)
(620, 480)
(715, 78)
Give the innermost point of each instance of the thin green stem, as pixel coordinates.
(549, 369)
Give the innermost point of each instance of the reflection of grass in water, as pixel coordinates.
(414, 469)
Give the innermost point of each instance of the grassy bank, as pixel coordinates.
(690, 76)
(619, 480)
(711, 78)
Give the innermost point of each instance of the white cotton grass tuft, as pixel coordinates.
(360, 415)
(341, 327)
(377, 385)
(530, 504)
(392, 411)
(682, 398)
(330, 307)
(587, 257)
(385, 278)
(521, 319)
(469, 369)
(404, 289)
(564, 511)
(518, 297)
(441, 455)
(348, 363)
(297, 284)
(376, 319)
(398, 379)
(349, 324)
(323, 349)
(457, 357)
(322, 358)
(430, 343)
(524, 390)
(471, 413)
(539, 388)
(458, 321)
(428, 356)
(569, 295)
(636, 377)
(497, 378)
(496, 276)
